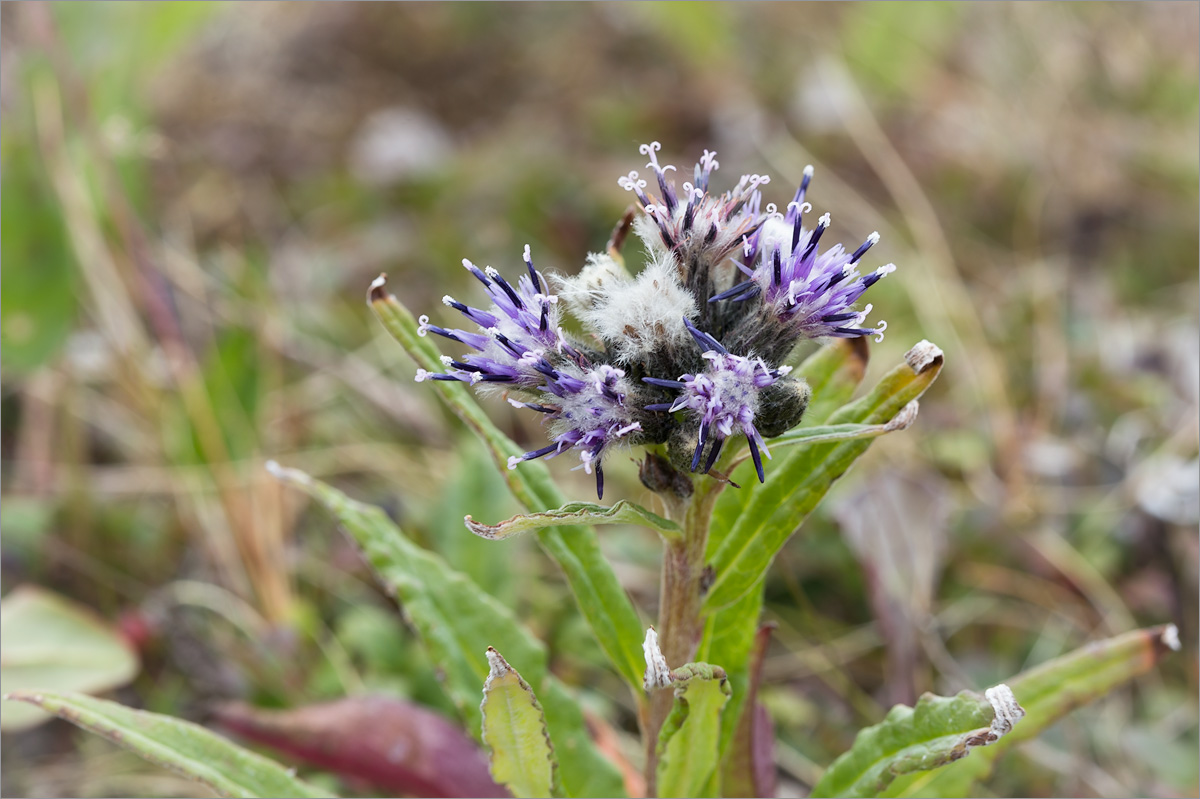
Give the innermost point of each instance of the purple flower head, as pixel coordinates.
(812, 293)
(522, 348)
(591, 416)
(694, 221)
(616, 383)
(726, 395)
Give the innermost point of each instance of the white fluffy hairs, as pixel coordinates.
(633, 316)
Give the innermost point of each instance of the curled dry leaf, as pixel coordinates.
(392, 744)
(658, 673)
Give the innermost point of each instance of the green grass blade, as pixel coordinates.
(514, 731)
(1048, 692)
(939, 730)
(185, 748)
(601, 599)
(687, 744)
(455, 619)
(589, 513)
(748, 533)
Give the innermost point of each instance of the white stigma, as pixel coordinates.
(422, 376)
(874, 237)
(422, 325)
(514, 460)
(886, 269)
(446, 360)
(448, 301)
(879, 332)
(491, 272)
(808, 171)
(824, 220)
(528, 257)
(631, 181)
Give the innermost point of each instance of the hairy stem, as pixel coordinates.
(681, 595)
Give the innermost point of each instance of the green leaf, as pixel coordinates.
(454, 618)
(749, 532)
(839, 432)
(1048, 692)
(601, 599)
(833, 372)
(747, 765)
(623, 512)
(729, 637)
(185, 748)
(939, 730)
(514, 730)
(50, 643)
(687, 743)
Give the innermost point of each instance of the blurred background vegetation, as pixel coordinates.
(197, 195)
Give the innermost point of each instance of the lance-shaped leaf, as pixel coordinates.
(185, 748)
(623, 512)
(748, 764)
(51, 643)
(601, 599)
(833, 372)
(749, 540)
(939, 730)
(514, 730)
(730, 636)
(454, 617)
(688, 741)
(821, 434)
(1048, 692)
(399, 747)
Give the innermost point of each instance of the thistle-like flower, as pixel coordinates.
(521, 346)
(729, 392)
(696, 223)
(743, 283)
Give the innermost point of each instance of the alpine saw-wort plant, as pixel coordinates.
(688, 352)
(687, 363)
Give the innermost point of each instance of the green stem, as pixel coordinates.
(681, 596)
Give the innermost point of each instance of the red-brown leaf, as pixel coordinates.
(389, 743)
